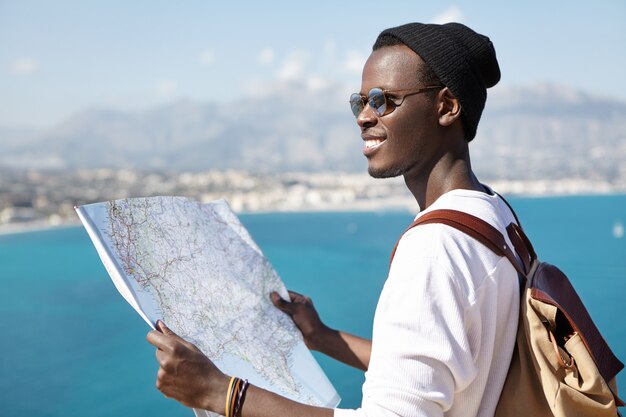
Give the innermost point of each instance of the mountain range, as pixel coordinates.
(538, 132)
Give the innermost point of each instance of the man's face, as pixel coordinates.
(397, 143)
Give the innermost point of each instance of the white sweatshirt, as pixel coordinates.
(446, 321)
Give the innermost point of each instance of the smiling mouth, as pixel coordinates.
(373, 143)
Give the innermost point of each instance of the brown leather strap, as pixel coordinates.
(522, 245)
(474, 227)
(518, 238)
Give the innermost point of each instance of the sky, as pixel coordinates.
(60, 57)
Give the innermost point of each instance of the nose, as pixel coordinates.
(367, 117)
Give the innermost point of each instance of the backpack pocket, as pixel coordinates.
(581, 391)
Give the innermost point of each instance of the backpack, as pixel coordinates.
(561, 364)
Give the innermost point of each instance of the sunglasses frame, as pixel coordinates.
(397, 101)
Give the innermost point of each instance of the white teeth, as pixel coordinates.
(372, 143)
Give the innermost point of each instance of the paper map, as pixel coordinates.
(196, 267)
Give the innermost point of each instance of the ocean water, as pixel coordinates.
(71, 346)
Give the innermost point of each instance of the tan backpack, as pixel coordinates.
(561, 364)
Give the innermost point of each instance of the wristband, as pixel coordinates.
(241, 396)
(235, 396)
(228, 396)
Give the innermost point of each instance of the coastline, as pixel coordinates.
(40, 200)
(391, 204)
(34, 226)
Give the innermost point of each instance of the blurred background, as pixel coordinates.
(100, 100)
(248, 101)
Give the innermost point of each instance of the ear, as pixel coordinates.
(449, 108)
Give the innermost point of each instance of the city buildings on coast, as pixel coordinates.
(33, 198)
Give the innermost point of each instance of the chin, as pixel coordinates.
(384, 172)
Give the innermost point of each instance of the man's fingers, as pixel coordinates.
(299, 298)
(160, 355)
(164, 329)
(165, 339)
(170, 333)
(159, 340)
(279, 302)
(295, 296)
(289, 306)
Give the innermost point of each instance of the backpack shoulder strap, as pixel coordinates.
(520, 241)
(472, 226)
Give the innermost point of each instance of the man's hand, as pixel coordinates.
(305, 317)
(185, 373)
(347, 348)
(189, 377)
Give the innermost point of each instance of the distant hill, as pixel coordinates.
(545, 131)
(553, 132)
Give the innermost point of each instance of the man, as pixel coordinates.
(446, 320)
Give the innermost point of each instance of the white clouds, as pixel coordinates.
(299, 65)
(207, 57)
(255, 87)
(166, 88)
(354, 61)
(330, 51)
(316, 83)
(451, 14)
(266, 56)
(23, 67)
(326, 68)
(293, 67)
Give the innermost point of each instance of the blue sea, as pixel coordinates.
(71, 346)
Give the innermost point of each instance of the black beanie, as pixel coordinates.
(464, 61)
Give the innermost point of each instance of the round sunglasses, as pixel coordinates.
(378, 98)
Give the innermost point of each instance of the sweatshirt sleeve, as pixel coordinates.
(422, 352)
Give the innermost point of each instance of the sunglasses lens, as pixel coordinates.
(356, 104)
(377, 101)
